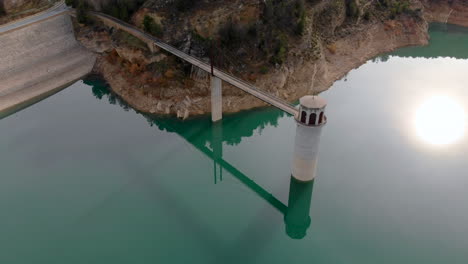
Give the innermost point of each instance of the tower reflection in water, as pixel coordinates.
(296, 214)
(199, 132)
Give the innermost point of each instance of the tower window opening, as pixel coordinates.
(312, 119)
(303, 117)
(321, 118)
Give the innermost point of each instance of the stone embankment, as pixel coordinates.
(38, 60)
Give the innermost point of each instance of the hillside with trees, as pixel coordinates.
(278, 45)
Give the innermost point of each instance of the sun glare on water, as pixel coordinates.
(440, 121)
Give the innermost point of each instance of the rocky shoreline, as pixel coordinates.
(301, 74)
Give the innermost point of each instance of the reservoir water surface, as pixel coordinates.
(86, 179)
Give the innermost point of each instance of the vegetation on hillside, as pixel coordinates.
(265, 40)
(280, 23)
(73, 3)
(253, 45)
(2, 9)
(185, 5)
(121, 9)
(152, 26)
(396, 7)
(82, 13)
(82, 8)
(352, 9)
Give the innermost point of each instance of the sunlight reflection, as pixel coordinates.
(440, 120)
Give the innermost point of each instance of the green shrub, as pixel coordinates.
(396, 7)
(384, 3)
(281, 50)
(252, 31)
(152, 26)
(352, 9)
(184, 5)
(72, 3)
(399, 7)
(264, 69)
(367, 15)
(122, 9)
(114, 11)
(231, 34)
(300, 27)
(300, 15)
(2, 9)
(287, 16)
(82, 13)
(123, 13)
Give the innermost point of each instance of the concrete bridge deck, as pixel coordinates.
(249, 88)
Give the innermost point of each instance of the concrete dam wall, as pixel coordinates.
(39, 59)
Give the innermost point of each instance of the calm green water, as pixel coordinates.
(85, 179)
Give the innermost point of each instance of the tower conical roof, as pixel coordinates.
(313, 102)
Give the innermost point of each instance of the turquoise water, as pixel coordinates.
(86, 179)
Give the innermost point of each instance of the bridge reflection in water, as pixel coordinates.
(208, 138)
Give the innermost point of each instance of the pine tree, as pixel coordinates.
(2, 9)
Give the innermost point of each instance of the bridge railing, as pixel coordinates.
(241, 84)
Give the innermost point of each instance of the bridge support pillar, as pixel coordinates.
(216, 99)
(310, 120)
(152, 47)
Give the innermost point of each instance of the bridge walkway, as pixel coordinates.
(246, 87)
